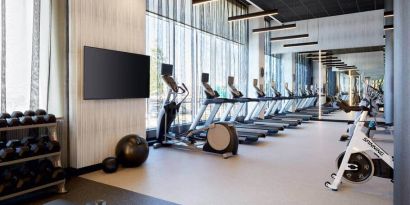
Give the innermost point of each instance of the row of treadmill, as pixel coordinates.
(265, 116)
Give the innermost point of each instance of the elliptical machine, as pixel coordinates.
(219, 138)
(355, 165)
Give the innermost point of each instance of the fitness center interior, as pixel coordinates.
(143, 102)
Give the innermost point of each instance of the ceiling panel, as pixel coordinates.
(295, 10)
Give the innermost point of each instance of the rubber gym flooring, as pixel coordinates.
(83, 191)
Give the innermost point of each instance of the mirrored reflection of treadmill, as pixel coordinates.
(309, 92)
(213, 99)
(271, 102)
(289, 110)
(240, 103)
(274, 107)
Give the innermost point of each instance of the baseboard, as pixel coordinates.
(74, 172)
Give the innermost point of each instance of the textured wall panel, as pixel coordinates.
(97, 125)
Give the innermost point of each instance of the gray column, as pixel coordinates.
(388, 68)
(402, 102)
(388, 78)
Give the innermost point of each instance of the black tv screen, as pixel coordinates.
(110, 74)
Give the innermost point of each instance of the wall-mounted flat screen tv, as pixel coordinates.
(110, 74)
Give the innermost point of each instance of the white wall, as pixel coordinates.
(96, 126)
(362, 29)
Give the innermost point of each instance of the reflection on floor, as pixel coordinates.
(340, 115)
(288, 169)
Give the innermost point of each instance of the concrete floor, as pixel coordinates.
(288, 169)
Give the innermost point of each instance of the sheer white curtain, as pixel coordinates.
(195, 40)
(25, 43)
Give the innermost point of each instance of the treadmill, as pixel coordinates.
(245, 136)
(240, 101)
(275, 106)
(271, 102)
(292, 100)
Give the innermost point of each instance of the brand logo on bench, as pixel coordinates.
(374, 146)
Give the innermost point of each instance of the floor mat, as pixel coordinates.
(83, 191)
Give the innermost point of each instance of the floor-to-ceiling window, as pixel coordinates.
(304, 71)
(273, 67)
(195, 39)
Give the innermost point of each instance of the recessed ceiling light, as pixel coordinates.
(300, 44)
(253, 15)
(275, 39)
(274, 28)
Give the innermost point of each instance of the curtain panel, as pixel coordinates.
(304, 73)
(25, 51)
(195, 39)
(273, 67)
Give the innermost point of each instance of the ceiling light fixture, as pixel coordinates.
(346, 67)
(323, 58)
(388, 27)
(289, 37)
(199, 2)
(274, 28)
(344, 70)
(323, 55)
(331, 61)
(335, 64)
(301, 44)
(253, 15)
(388, 14)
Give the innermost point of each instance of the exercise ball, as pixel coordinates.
(110, 165)
(132, 150)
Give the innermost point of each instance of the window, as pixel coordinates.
(331, 82)
(195, 40)
(304, 73)
(273, 67)
(25, 38)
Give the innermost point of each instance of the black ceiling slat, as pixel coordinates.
(295, 10)
(341, 8)
(307, 9)
(283, 2)
(323, 7)
(358, 7)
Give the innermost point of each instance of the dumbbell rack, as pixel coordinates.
(56, 156)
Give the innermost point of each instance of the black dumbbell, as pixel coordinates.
(25, 177)
(20, 150)
(3, 123)
(40, 112)
(52, 145)
(6, 153)
(50, 118)
(5, 115)
(38, 119)
(7, 182)
(36, 147)
(17, 114)
(29, 113)
(12, 122)
(58, 174)
(26, 120)
(45, 167)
